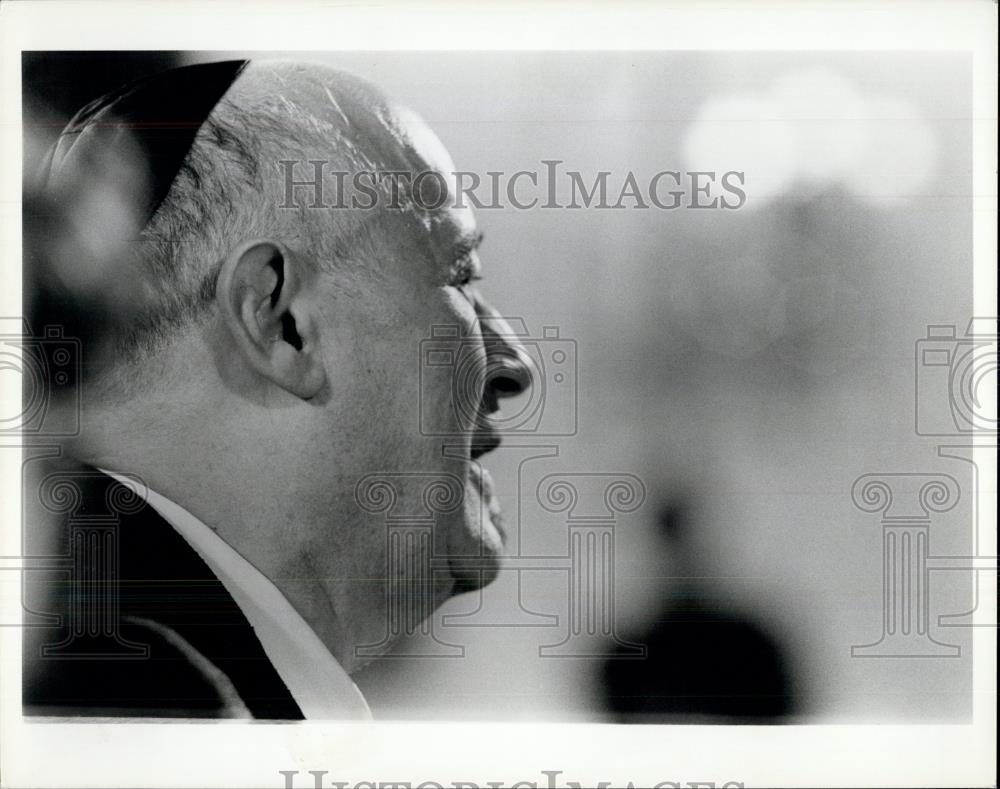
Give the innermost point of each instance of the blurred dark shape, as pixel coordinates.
(55, 85)
(706, 662)
(76, 243)
(152, 122)
(127, 620)
(76, 235)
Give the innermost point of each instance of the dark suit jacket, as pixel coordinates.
(123, 618)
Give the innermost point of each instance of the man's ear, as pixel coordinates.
(259, 291)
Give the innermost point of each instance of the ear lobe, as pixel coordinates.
(260, 296)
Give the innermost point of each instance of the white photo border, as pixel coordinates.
(231, 755)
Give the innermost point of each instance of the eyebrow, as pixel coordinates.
(467, 243)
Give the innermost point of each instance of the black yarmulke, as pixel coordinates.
(154, 120)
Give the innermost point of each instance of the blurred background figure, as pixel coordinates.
(707, 661)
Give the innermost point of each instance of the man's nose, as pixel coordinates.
(509, 370)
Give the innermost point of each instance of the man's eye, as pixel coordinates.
(464, 275)
(467, 279)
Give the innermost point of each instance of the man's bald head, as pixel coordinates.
(229, 188)
(275, 358)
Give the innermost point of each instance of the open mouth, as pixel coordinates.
(483, 482)
(483, 442)
(475, 564)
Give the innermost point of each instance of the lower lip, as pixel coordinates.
(482, 479)
(484, 486)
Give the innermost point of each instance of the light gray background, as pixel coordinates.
(759, 359)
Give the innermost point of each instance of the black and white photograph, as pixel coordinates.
(500, 396)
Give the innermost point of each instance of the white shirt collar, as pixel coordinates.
(317, 682)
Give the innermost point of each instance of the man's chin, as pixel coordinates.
(475, 552)
(470, 575)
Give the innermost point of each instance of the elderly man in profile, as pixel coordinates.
(264, 361)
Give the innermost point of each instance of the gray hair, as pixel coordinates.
(227, 190)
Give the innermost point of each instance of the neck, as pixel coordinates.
(240, 492)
